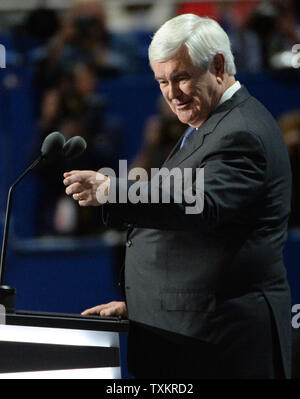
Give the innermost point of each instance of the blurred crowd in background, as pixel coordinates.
(73, 51)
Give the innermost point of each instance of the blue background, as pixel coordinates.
(68, 275)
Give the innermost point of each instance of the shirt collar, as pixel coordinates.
(229, 92)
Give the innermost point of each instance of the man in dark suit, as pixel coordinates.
(206, 292)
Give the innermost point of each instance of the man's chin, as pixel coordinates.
(185, 119)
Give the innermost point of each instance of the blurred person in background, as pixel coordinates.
(30, 36)
(82, 37)
(75, 108)
(290, 127)
(271, 29)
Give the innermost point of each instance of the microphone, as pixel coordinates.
(53, 146)
(74, 147)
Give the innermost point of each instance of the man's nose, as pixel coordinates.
(174, 91)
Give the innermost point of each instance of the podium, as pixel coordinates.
(53, 345)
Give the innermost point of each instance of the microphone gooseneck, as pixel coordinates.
(51, 147)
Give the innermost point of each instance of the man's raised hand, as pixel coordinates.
(88, 187)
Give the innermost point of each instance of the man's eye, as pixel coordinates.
(162, 82)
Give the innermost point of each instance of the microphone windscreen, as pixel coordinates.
(74, 147)
(53, 145)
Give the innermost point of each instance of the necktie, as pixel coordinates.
(187, 136)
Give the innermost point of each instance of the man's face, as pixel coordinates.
(191, 93)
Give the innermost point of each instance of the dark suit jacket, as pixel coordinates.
(218, 275)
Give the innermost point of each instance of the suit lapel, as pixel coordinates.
(192, 144)
(177, 145)
(177, 156)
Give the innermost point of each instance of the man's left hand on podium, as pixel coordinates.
(114, 308)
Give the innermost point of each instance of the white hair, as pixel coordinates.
(203, 37)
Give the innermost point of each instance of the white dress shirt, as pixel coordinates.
(229, 92)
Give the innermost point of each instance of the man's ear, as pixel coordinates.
(219, 65)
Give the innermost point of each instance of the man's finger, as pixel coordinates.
(81, 196)
(112, 310)
(94, 310)
(77, 176)
(106, 312)
(66, 174)
(84, 203)
(74, 188)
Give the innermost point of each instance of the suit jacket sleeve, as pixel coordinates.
(234, 175)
